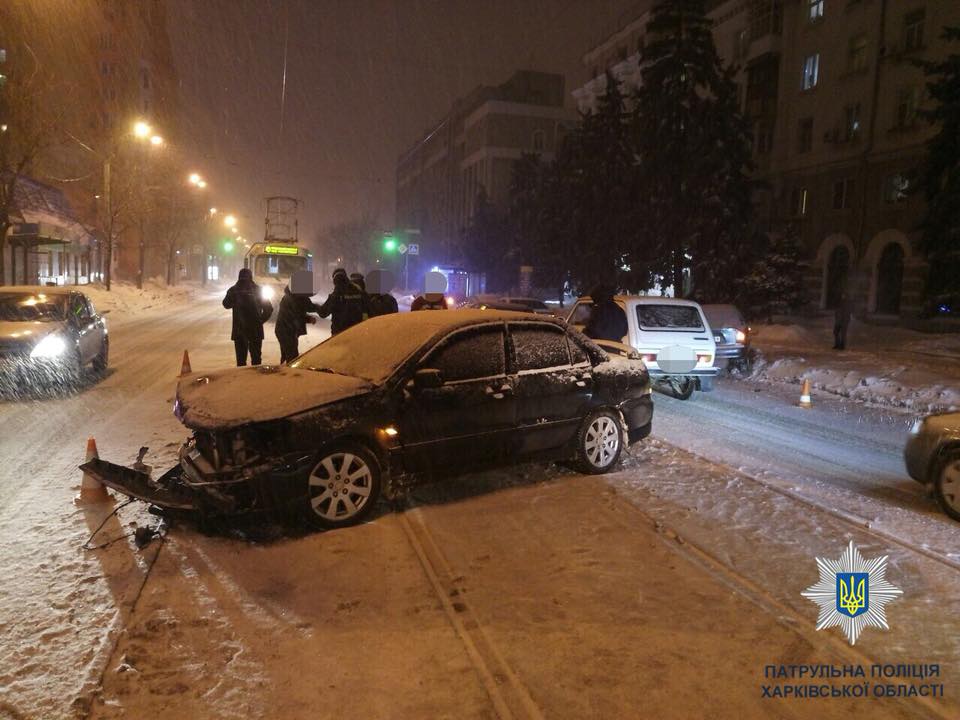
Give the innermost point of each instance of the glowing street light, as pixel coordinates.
(213, 211)
(229, 221)
(194, 179)
(141, 129)
(156, 140)
(202, 184)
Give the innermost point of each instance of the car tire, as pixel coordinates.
(600, 442)
(101, 360)
(946, 485)
(680, 388)
(343, 486)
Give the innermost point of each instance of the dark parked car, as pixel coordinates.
(730, 332)
(48, 335)
(932, 454)
(393, 401)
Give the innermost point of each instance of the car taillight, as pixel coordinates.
(649, 357)
(704, 359)
(741, 336)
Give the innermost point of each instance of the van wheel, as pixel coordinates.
(343, 487)
(600, 442)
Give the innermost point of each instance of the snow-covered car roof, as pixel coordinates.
(648, 300)
(40, 289)
(374, 349)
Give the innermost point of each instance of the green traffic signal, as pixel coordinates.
(227, 246)
(389, 243)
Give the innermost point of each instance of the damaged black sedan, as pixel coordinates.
(397, 400)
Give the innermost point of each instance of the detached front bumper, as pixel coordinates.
(194, 484)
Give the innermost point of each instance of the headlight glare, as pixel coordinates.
(741, 336)
(50, 347)
(266, 292)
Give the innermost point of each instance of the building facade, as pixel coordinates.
(474, 147)
(832, 94)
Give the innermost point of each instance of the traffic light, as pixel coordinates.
(389, 243)
(228, 246)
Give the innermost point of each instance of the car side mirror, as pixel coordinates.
(427, 378)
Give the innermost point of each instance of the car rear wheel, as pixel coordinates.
(947, 485)
(680, 387)
(600, 442)
(343, 487)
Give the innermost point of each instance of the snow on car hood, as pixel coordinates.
(239, 396)
(27, 331)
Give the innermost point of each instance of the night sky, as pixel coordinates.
(364, 80)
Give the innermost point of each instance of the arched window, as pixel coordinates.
(838, 266)
(890, 279)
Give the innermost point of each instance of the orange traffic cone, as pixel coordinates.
(91, 490)
(185, 365)
(805, 395)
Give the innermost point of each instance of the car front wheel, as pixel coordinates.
(947, 485)
(600, 442)
(102, 358)
(343, 487)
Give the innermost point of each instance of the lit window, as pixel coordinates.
(811, 71)
(896, 188)
(913, 29)
(814, 10)
(798, 202)
(851, 115)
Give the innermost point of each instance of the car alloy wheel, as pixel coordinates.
(600, 442)
(343, 487)
(947, 487)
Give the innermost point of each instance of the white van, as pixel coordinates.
(663, 331)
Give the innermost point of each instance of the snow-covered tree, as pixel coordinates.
(774, 284)
(693, 146)
(941, 172)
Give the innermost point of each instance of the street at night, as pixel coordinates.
(524, 359)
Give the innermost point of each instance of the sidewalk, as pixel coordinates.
(884, 365)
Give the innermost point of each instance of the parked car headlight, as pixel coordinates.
(267, 292)
(50, 347)
(741, 336)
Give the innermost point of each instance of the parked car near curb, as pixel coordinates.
(396, 400)
(48, 336)
(730, 333)
(672, 337)
(932, 456)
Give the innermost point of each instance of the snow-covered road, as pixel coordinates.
(655, 591)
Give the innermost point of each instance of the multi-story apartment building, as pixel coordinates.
(440, 177)
(116, 68)
(832, 95)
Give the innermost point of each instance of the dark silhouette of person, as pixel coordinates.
(841, 321)
(250, 312)
(346, 305)
(292, 319)
(607, 319)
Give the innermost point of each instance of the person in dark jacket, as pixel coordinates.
(250, 312)
(381, 302)
(607, 319)
(346, 305)
(292, 316)
(841, 321)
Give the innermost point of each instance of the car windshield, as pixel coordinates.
(278, 265)
(27, 307)
(376, 347)
(669, 317)
(723, 316)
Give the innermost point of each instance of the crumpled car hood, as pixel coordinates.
(240, 396)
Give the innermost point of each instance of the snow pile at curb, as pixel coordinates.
(898, 386)
(124, 299)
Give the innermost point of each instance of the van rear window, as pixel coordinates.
(669, 317)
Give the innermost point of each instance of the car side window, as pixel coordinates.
(91, 311)
(536, 347)
(469, 355)
(577, 354)
(78, 307)
(581, 315)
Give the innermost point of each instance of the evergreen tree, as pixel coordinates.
(694, 152)
(488, 245)
(941, 173)
(774, 284)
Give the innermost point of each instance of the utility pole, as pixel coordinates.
(108, 204)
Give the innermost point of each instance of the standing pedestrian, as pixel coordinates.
(346, 305)
(250, 312)
(607, 319)
(379, 284)
(841, 321)
(434, 286)
(292, 316)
